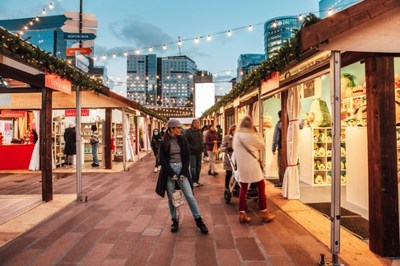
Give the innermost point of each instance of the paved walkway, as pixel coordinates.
(125, 223)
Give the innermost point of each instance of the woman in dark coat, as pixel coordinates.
(155, 143)
(174, 159)
(70, 144)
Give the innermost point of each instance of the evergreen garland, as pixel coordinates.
(13, 45)
(289, 52)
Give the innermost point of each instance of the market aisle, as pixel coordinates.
(125, 222)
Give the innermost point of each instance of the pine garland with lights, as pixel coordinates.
(13, 45)
(289, 52)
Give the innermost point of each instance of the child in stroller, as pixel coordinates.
(234, 185)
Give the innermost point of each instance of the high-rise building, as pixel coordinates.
(334, 5)
(246, 63)
(165, 81)
(142, 78)
(277, 31)
(45, 33)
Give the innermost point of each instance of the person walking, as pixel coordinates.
(195, 140)
(277, 145)
(204, 131)
(70, 144)
(174, 159)
(94, 141)
(155, 143)
(211, 141)
(227, 148)
(247, 143)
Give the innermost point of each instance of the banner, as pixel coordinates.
(72, 112)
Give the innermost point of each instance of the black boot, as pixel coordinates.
(175, 225)
(201, 225)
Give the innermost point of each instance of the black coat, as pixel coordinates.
(70, 141)
(195, 140)
(166, 170)
(155, 142)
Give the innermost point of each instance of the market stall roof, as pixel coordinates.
(369, 26)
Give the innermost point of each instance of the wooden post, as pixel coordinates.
(285, 125)
(382, 156)
(107, 139)
(46, 145)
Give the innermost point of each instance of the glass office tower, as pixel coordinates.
(246, 63)
(277, 31)
(334, 5)
(46, 33)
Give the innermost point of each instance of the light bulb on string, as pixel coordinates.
(209, 37)
(301, 17)
(197, 40)
(31, 23)
(114, 55)
(150, 49)
(330, 12)
(229, 33)
(164, 47)
(125, 53)
(51, 6)
(104, 57)
(250, 28)
(43, 11)
(37, 18)
(274, 24)
(137, 51)
(180, 43)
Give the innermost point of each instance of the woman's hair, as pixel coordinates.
(232, 129)
(247, 122)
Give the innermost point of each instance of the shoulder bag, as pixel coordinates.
(244, 146)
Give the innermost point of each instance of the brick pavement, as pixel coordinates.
(126, 223)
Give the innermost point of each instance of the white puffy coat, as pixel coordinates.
(248, 167)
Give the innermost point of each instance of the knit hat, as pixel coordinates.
(173, 123)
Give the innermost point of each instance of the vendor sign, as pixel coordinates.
(58, 83)
(12, 113)
(72, 112)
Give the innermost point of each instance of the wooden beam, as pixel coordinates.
(382, 156)
(46, 145)
(20, 90)
(107, 139)
(33, 80)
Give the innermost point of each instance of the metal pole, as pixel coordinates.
(335, 65)
(78, 146)
(78, 127)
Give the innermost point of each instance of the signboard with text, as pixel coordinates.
(79, 36)
(58, 83)
(72, 112)
(270, 83)
(83, 50)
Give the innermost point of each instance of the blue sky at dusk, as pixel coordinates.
(127, 25)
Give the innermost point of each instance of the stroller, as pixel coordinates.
(234, 185)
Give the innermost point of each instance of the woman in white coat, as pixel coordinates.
(247, 143)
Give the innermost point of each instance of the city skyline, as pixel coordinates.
(129, 26)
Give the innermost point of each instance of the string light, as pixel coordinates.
(229, 33)
(36, 19)
(250, 28)
(150, 49)
(330, 12)
(165, 47)
(208, 37)
(301, 17)
(197, 40)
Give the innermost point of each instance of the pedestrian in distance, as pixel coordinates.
(247, 144)
(227, 148)
(70, 144)
(94, 141)
(204, 131)
(155, 144)
(212, 148)
(277, 146)
(174, 158)
(194, 137)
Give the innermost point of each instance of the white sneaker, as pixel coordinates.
(155, 170)
(195, 184)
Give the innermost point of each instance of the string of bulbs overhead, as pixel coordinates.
(36, 19)
(209, 37)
